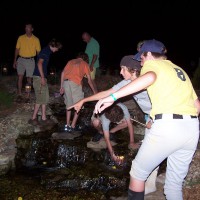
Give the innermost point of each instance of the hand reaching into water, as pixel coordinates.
(119, 160)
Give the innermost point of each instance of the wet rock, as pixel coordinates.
(5, 164)
(65, 135)
(73, 163)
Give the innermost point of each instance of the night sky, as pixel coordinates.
(118, 26)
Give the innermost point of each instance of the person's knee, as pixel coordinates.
(20, 77)
(124, 124)
(95, 123)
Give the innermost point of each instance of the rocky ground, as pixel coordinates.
(191, 192)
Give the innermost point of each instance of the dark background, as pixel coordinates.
(118, 26)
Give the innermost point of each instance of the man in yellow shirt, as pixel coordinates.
(27, 47)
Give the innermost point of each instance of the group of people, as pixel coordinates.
(29, 58)
(162, 90)
(174, 131)
(130, 70)
(84, 66)
(173, 124)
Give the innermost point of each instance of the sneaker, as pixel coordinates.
(97, 137)
(33, 122)
(68, 129)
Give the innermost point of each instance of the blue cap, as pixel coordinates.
(150, 46)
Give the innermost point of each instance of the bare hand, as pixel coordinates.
(119, 160)
(15, 65)
(149, 123)
(102, 104)
(43, 81)
(77, 106)
(91, 68)
(61, 90)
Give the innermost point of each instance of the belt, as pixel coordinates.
(26, 57)
(174, 116)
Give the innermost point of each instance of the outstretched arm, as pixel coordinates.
(107, 139)
(138, 84)
(77, 106)
(109, 146)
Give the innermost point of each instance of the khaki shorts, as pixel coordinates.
(27, 65)
(73, 93)
(41, 91)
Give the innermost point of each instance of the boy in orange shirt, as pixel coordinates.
(71, 86)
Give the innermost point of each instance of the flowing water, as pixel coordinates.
(58, 165)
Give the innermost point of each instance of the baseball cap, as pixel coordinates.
(130, 62)
(151, 46)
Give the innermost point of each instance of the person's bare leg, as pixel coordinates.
(136, 189)
(44, 117)
(19, 84)
(29, 80)
(68, 117)
(36, 108)
(94, 83)
(120, 126)
(75, 118)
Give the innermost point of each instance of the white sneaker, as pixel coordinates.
(68, 129)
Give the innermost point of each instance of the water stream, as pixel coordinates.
(58, 165)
